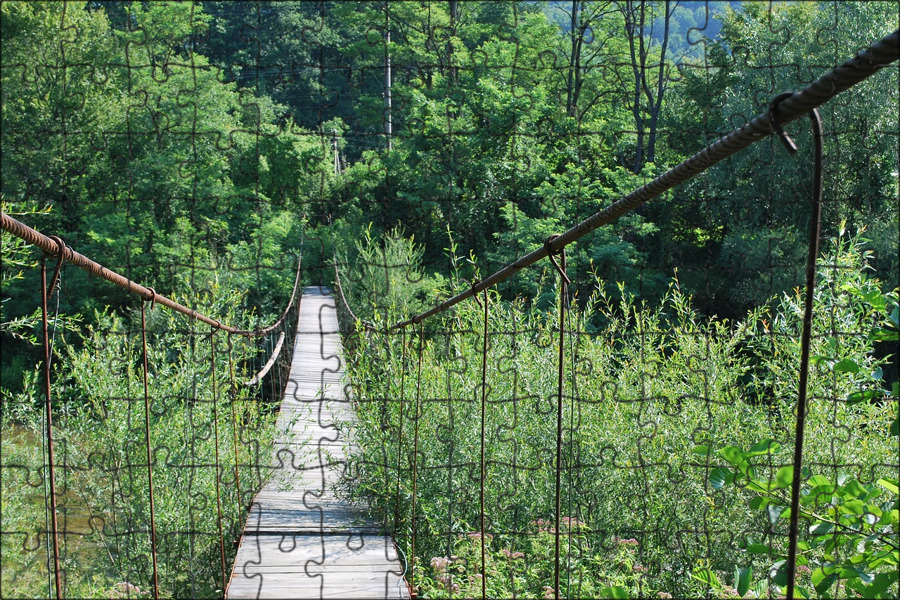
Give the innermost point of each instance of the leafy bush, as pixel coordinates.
(644, 387)
(209, 440)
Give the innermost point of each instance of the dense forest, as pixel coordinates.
(204, 147)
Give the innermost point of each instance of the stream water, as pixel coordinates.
(25, 517)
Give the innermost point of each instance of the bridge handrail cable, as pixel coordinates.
(53, 248)
(865, 64)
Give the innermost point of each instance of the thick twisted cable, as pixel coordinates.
(52, 248)
(865, 64)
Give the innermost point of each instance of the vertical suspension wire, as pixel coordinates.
(805, 342)
(563, 295)
(215, 411)
(574, 521)
(49, 422)
(190, 442)
(150, 490)
(484, 350)
(412, 555)
(400, 430)
(234, 434)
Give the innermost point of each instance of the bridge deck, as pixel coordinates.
(300, 540)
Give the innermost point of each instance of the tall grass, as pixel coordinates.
(647, 388)
(210, 448)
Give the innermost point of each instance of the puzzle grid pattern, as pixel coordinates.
(164, 114)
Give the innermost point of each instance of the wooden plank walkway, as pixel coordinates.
(300, 540)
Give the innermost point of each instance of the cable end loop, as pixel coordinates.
(562, 252)
(775, 126)
(152, 297)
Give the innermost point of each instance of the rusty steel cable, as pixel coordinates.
(563, 297)
(51, 472)
(215, 407)
(865, 64)
(400, 432)
(67, 254)
(412, 554)
(484, 352)
(149, 453)
(805, 341)
(234, 429)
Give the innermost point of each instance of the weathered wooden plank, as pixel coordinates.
(300, 539)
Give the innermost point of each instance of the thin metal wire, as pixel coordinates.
(484, 352)
(149, 453)
(234, 431)
(814, 233)
(412, 571)
(215, 407)
(400, 432)
(563, 296)
(50, 452)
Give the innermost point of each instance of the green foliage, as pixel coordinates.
(386, 277)
(850, 529)
(660, 380)
(199, 415)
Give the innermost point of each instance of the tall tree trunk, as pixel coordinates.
(454, 21)
(388, 125)
(660, 87)
(570, 83)
(635, 31)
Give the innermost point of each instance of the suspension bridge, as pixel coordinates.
(301, 537)
(301, 540)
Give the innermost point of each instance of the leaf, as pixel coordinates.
(854, 507)
(784, 477)
(853, 489)
(774, 511)
(821, 581)
(820, 528)
(703, 451)
(719, 477)
(889, 485)
(847, 365)
(757, 549)
(883, 334)
(882, 582)
(760, 502)
(778, 573)
(768, 446)
(758, 486)
(708, 577)
(733, 455)
(817, 480)
(616, 593)
(865, 396)
(743, 580)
